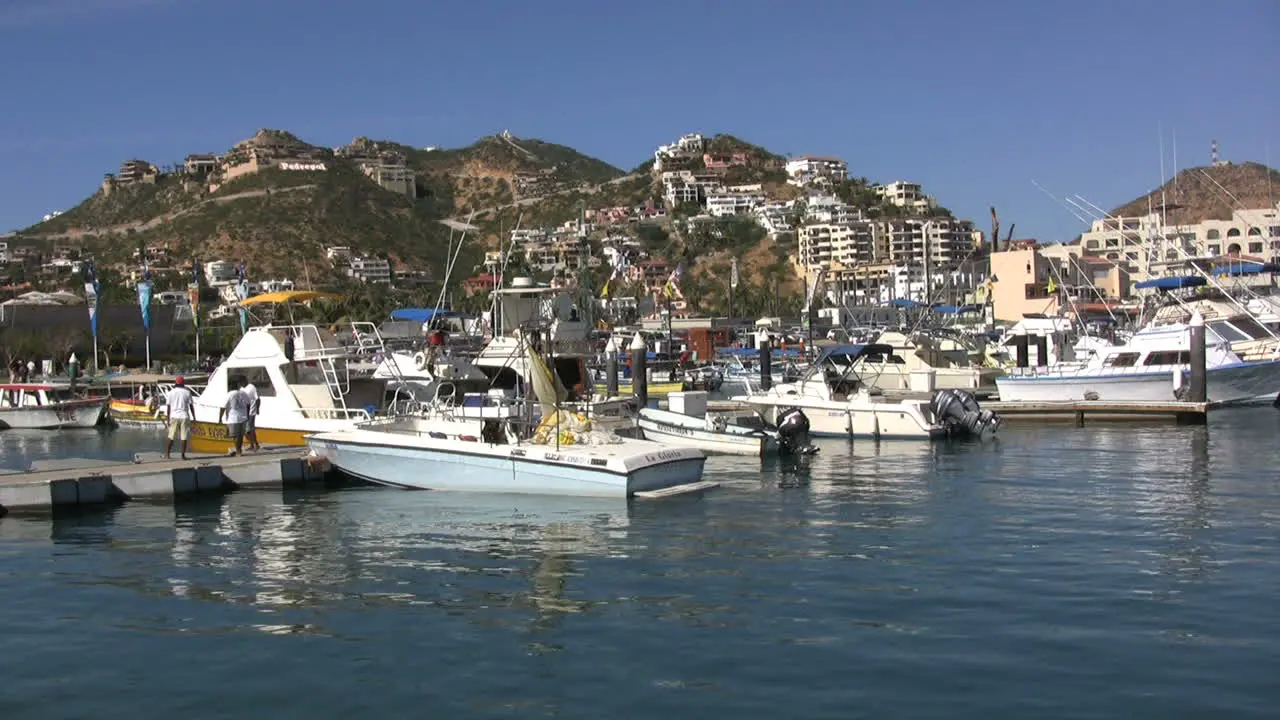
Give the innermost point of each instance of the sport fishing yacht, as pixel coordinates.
(1151, 367)
(305, 386)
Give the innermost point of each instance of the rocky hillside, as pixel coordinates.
(284, 214)
(1194, 195)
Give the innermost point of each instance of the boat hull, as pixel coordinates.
(76, 414)
(1227, 385)
(209, 437)
(134, 414)
(729, 442)
(498, 469)
(834, 419)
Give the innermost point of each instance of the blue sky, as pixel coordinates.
(973, 99)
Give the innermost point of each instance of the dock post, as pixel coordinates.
(766, 359)
(1199, 384)
(1042, 351)
(1020, 342)
(611, 367)
(640, 370)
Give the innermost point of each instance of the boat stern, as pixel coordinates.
(650, 466)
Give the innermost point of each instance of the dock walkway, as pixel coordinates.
(54, 484)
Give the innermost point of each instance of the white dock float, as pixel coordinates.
(674, 490)
(62, 483)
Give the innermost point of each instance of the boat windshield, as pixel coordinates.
(1250, 327)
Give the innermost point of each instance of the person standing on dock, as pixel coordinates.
(250, 425)
(235, 411)
(177, 420)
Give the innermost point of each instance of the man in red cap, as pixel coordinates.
(179, 404)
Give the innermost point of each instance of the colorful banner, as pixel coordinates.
(91, 292)
(672, 288)
(242, 292)
(193, 294)
(144, 299)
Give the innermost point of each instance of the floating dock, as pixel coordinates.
(61, 484)
(1079, 411)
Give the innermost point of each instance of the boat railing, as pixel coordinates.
(336, 413)
(1085, 370)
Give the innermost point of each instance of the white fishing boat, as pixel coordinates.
(480, 450)
(46, 407)
(688, 424)
(1152, 367)
(840, 404)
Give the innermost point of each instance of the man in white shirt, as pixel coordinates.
(179, 402)
(236, 412)
(250, 425)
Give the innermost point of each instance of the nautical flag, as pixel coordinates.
(1053, 286)
(193, 294)
(984, 289)
(733, 274)
(672, 288)
(91, 292)
(242, 292)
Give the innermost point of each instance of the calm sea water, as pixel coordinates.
(1058, 572)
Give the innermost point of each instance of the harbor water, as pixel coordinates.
(1106, 571)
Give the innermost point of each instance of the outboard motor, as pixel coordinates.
(793, 433)
(959, 412)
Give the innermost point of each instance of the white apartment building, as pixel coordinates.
(831, 209)
(833, 245)
(688, 145)
(907, 195)
(934, 240)
(684, 186)
(220, 272)
(270, 286)
(1144, 246)
(370, 270)
(4, 252)
(726, 204)
(776, 218)
(811, 169)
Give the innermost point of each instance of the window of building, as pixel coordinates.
(1233, 232)
(1169, 357)
(1233, 249)
(1213, 235)
(1253, 231)
(1215, 249)
(1255, 247)
(1092, 244)
(1274, 230)
(1127, 359)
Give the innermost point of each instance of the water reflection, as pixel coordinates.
(18, 448)
(288, 555)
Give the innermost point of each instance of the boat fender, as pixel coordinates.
(468, 438)
(420, 361)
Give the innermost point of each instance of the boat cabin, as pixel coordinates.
(29, 395)
(298, 370)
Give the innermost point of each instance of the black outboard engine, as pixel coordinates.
(793, 433)
(958, 410)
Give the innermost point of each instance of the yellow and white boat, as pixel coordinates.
(143, 405)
